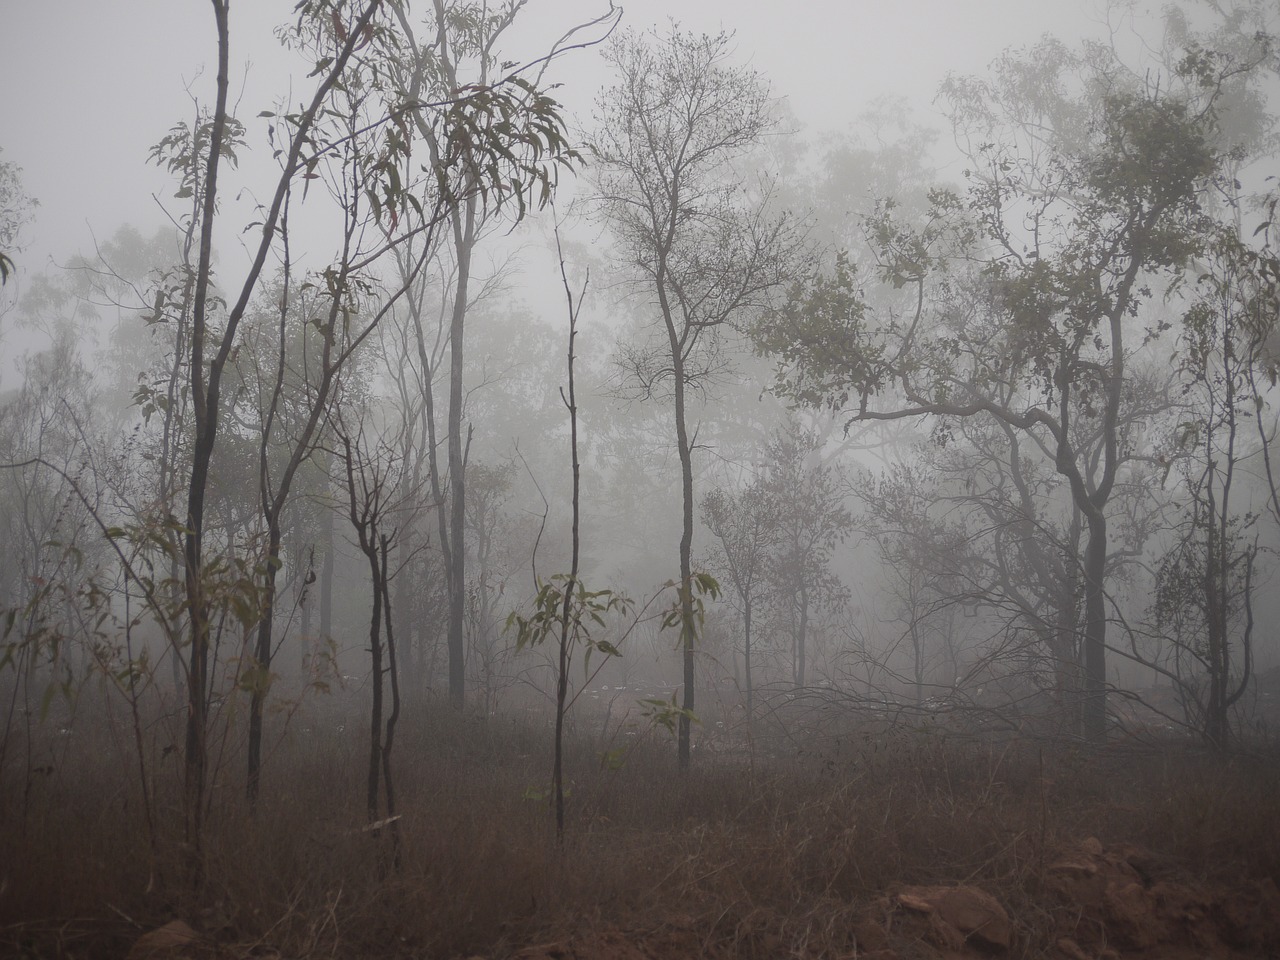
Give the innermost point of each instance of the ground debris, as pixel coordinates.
(174, 941)
(1120, 901)
(965, 916)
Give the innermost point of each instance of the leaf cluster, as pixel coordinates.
(564, 607)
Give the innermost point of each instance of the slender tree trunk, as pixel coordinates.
(400, 610)
(918, 665)
(177, 662)
(394, 716)
(464, 242)
(206, 389)
(684, 732)
(802, 632)
(326, 582)
(306, 573)
(1216, 587)
(746, 658)
(375, 655)
(1094, 704)
(1066, 648)
(262, 662)
(205, 408)
(1066, 660)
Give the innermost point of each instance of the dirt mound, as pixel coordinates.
(1123, 902)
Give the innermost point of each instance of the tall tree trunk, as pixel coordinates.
(375, 654)
(802, 637)
(205, 408)
(746, 658)
(684, 733)
(206, 391)
(464, 242)
(393, 669)
(464, 224)
(400, 610)
(306, 575)
(1094, 705)
(262, 661)
(326, 583)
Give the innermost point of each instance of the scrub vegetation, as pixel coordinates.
(876, 564)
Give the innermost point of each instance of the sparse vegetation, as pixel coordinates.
(948, 498)
(766, 850)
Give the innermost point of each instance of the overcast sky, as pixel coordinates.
(90, 85)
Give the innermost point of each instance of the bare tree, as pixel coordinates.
(462, 54)
(745, 527)
(695, 237)
(506, 136)
(811, 521)
(370, 467)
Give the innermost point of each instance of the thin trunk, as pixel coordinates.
(686, 564)
(306, 577)
(566, 637)
(1094, 701)
(262, 662)
(464, 242)
(746, 657)
(205, 409)
(326, 583)
(802, 636)
(375, 655)
(1067, 649)
(394, 716)
(177, 662)
(917, 649)
(403, 625)
(206, 398)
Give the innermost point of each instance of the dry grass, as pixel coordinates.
(770, 853)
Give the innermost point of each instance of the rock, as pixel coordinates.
(974, 914)
(172, 941)
(1070, 950)
(1078, 865)
(870, 936)
(1130, 914)
(606, 945)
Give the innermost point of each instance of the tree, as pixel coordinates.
(924, 556)
(16, 210)
(807, 506)
(433, 68)
(699, 245)
(564, 608)
(490, 490)
(463, 55)
(745, 527)
(506, 135)
(1081, 207)
(1205, 581)
(48, 495)
(371, 484)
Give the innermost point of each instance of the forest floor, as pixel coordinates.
(821, 835)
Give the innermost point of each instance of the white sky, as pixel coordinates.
(89, 85)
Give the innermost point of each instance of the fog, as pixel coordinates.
(588, 416)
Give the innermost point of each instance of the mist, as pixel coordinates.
(545, 479)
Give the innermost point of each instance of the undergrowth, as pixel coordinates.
(766, 849)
